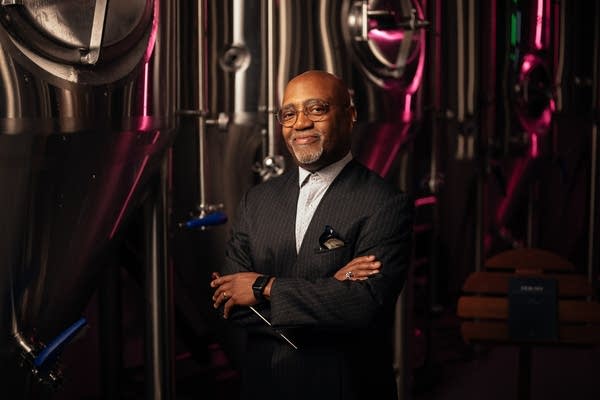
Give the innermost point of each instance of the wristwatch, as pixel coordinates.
(259, 285)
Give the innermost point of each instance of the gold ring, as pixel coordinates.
(224, 295)
(349, 275)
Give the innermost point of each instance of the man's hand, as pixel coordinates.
(232, 290)
(358, 269)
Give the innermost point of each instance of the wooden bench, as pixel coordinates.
(484, 307)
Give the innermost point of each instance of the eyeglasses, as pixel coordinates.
(315, 110)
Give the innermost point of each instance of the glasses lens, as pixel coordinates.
(315, 110)
(287, 116)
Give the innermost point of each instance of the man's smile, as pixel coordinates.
(303, 140)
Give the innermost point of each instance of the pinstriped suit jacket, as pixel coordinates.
(342, 328)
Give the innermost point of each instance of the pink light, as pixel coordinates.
(396, 146)
(526, 66)
(416, 82)
(128, 198)
(388, 139)
(534, 151)
(423, 201)
(145, 122)
(386, 36)
(539, 22)
(406, 114)
(132, 190)
(152, 38)
(145, 91)
(517, 174)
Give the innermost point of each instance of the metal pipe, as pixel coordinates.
(401, 345)
(592, 245)
(271, 102)
(109, 310)
(592, 219)
(202, 112)
(460, 61)
(159, 363)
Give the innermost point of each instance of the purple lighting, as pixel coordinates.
(534, 150)
(423, 201)
(134, 186)
(526, 65)
(539, 23)
(387, 139)
(386, 36)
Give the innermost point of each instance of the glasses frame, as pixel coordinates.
(305, 106)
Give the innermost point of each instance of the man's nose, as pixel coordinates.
(302, 121)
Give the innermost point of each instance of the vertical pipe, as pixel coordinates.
(159, 361)
(202, 112)
(488, 120)
(109, 310)
(271, 106)
(593, 208)
(460, 62)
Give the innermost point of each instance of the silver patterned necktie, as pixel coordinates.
(306, 205)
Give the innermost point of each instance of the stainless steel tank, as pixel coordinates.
(87, 101)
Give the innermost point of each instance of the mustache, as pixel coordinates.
(305, 134)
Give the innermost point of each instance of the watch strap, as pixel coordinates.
(259, 285)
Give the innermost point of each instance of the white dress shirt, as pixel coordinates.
(312, 188)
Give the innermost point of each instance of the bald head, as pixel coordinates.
(336, 89)
(322, 115)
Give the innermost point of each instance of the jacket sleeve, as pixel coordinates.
(327, 303)
(238, 258)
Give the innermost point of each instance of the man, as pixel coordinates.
(321, 253)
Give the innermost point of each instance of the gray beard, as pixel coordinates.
(309, 157)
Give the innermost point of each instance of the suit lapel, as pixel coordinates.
(328, 206)
(285, 225)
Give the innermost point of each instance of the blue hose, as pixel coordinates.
(53, 349)
(212, 219)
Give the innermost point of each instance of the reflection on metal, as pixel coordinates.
(392, 58)
(533, 96)
(272, 163)
(534, 55)
(234, 58)
(92, 55)
(383, 37)
(560, 27)
(466, 60)
(77, 145)
(58, 35)
(159, 364)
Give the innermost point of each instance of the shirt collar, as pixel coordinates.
(328, 173)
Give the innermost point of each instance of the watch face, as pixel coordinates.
(259, 286)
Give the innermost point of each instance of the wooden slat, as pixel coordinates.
(570, 285)
(528, 258)
(482, 307)
(489, 331)
(497, 308)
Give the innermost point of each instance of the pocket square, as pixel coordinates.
(329, 239)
